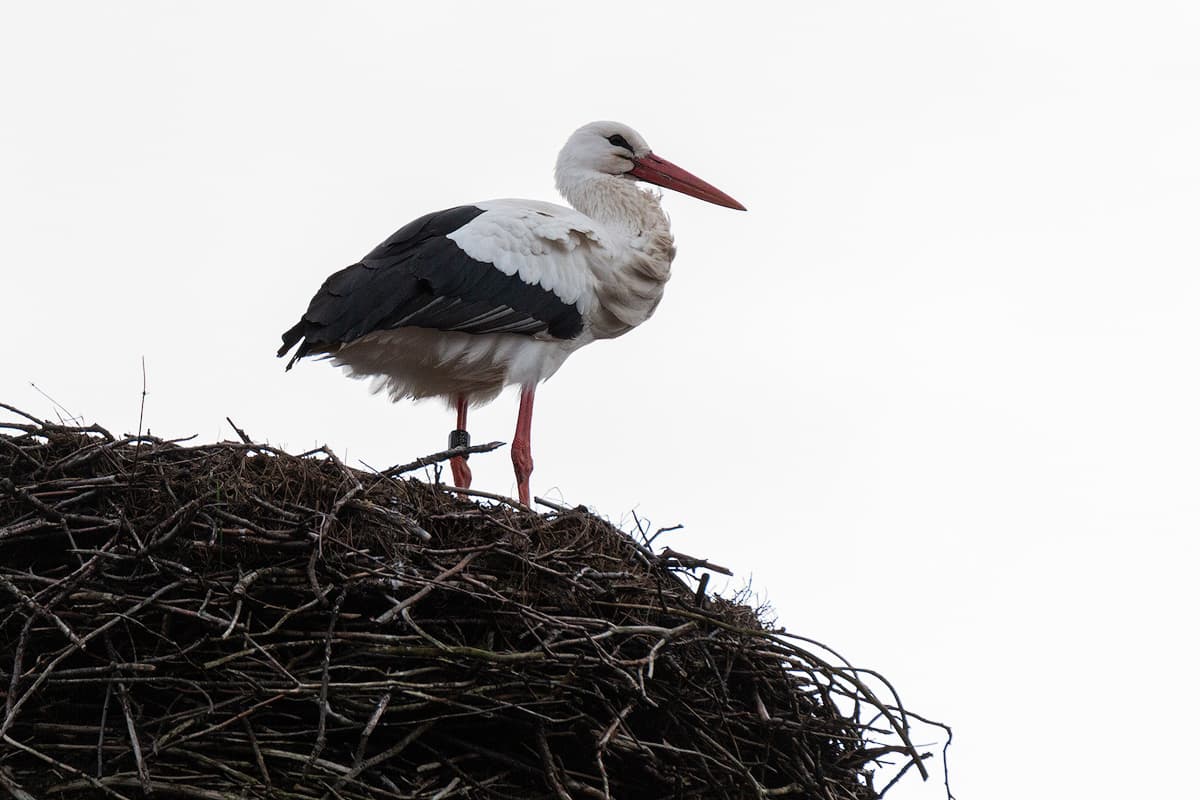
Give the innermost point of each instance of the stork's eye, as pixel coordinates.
(617, 140)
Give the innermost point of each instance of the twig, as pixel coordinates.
(71, 418)
(555, 506)
(660, 532)
(241, 433)
(418, 596)
(700, 596)
(21, 413)
(141, 414)
(691, 562)
(355, 489)
(390, 753)
(67, 768)
(551, 769)
(444, 455)
(258, 756)
(508, 501)
(12, 787)
(323, 697)
(134, 742)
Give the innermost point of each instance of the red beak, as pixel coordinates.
(660, 172)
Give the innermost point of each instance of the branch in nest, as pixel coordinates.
(674, 558)
(435, 458)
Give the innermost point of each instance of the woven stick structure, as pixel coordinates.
(230, 621)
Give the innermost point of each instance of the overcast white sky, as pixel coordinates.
(936, 392)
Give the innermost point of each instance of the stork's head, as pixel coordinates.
(610, 148)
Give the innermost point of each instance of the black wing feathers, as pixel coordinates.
(420, 278)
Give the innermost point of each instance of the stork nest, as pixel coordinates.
(230, 621)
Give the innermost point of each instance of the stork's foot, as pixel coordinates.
(462, 473)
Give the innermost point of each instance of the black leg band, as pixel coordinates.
(459, 438)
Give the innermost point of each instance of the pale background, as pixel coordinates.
(936, 393)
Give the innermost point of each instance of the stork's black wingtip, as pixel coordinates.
(291, 337)
(300, 351)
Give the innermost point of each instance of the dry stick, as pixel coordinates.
(37, 609)
(603, 775)
(166, 530)
(444, 455)
(691, 562)
(103, 728)
(447, 789)
(323, 698)
(369, 728)
(241, 433)
(416, 597)
(274, 661)
(164, 743)
(700, 597)
(54, 513)
(411, 623)
(21, 413)
(143, 772)
(517, 504)
(557, 507)
(319, 600)
(379, 758)
(590, 791)
(945, 749)
(313, 583)
(49, 668)
(83, 776)
(550, 767)
(173, 788)
(141, 414)
(5, 483)
(899, 707)
(258, 756)
(847, 675)
(237, 612)
(12, 787)
(222, 765)
(355, 488)
(612, 728)
(57, 406)
(94, 451)
(660, 531)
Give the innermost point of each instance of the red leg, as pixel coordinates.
(458, 464)
(522, 458)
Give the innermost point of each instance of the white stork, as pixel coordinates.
(461, 303)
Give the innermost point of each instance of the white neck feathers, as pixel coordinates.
(632, 284)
